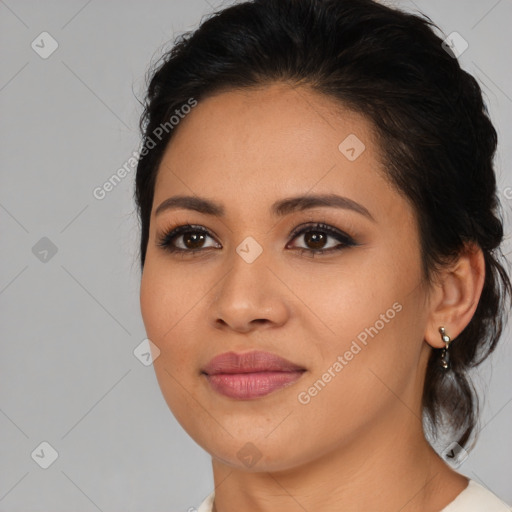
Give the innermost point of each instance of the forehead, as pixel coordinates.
(258, 145)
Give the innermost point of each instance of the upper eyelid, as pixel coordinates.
(320, 225)
(179, 229)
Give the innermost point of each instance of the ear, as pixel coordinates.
(454, 297)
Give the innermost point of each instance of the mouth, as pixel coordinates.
(249, 362)
(246, 386)
(250, 375)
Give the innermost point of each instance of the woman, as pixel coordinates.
(320, 253)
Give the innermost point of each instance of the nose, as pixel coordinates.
(249, 296)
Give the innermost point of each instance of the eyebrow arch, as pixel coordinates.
(279, 208)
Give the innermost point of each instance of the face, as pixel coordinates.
(333, 286)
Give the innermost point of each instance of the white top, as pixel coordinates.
(474, 498)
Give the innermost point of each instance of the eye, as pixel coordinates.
(190, 239)
(317, 236)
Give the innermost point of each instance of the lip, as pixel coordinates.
(249, 362)
(250, 375)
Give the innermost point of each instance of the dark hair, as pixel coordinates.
(437, 140)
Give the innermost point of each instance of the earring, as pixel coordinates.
(445, 357)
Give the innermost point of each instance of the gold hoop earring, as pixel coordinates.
(445, 356)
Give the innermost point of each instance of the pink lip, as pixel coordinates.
(251, 374)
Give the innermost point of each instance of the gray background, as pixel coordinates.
(70, 324)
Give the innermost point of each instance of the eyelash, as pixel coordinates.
(346, 241)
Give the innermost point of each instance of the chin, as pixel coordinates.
(255, 456)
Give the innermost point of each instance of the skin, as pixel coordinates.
(358, 444)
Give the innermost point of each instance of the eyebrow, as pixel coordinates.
(279, 208)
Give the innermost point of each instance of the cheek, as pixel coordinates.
(165, 298)
(167, 308)
(173, 298)
(167, 312)
(372, 359)
(346, 300)
(368, 313)
(155, 304)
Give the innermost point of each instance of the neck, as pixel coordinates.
(389, 467)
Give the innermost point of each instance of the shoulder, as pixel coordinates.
(207, 504)
(476, 498)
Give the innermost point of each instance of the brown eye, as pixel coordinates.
(185, 239)
(193, 240)
(316, 239)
